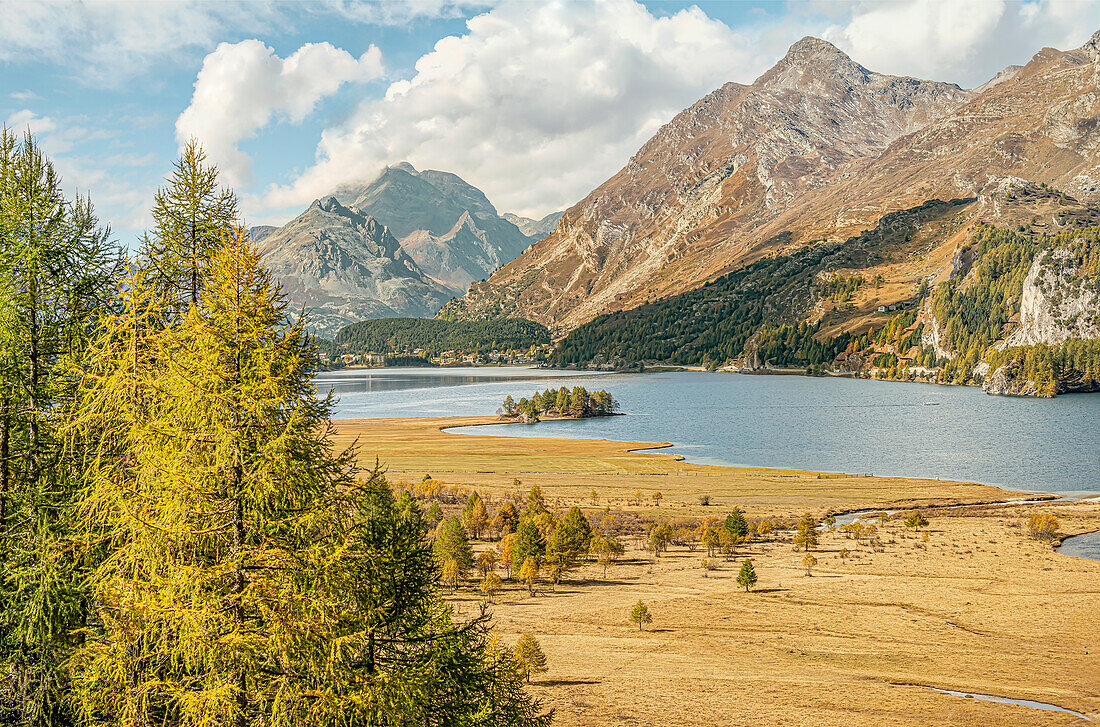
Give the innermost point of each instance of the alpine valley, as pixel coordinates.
(837, 220)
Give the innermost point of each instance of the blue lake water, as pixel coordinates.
(825, 424)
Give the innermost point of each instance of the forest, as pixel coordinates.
(434, 336)
(714, 324)
(180, 542)
(754, 314)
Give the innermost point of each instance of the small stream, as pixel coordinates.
(1007, 700)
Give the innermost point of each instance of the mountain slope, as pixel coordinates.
(345, 267)
(449, 227)
(707, 180)
(817, 148)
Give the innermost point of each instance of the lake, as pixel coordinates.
(824, 424)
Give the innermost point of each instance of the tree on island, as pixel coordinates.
(640, 615)
(746, 578)
(576, 403)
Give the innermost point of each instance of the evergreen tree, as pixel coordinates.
(736, 523)
(640, 614)
(250, 580)
(529, 656)
(474, 516)
(746, 578)
(452, 545)
(528, 543)
(569, 540)
(192, 216)
(806, 537)
(56, 269)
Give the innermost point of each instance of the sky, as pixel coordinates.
(535, 102)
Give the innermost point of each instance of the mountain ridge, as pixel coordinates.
(817, 148)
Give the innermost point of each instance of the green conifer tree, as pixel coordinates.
(56, 271)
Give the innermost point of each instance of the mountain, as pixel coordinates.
(688, 203)
(817, 148)
(344, 266)
(448, 226)
(536, 229)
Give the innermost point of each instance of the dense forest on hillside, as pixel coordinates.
(386, 335)
(713, 324)
(754, 314)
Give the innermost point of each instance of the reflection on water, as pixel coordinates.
(824, 424)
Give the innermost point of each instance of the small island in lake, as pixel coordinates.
(565, 403)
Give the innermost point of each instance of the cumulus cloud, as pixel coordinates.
(107, 42)
(963, 42)
(243, 86)
(535, 103)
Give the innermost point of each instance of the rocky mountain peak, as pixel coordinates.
(808, 63)
(403, 166)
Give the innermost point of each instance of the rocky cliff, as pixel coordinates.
(448, 226)
(343, 267)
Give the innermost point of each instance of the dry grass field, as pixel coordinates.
(978, 606)
(570, 469)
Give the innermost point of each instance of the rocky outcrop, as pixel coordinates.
(535, 229)
(1005, 382)
(343, 267)
(1058, 302)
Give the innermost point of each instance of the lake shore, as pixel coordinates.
(977, 607)
(419, 445)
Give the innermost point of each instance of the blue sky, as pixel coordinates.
(536, 103)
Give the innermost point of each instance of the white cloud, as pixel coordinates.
(535, 103)
(107, 42)
(243, 86)
(964, 42)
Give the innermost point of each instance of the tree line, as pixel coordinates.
(719, 321)
(180, 543)
(399, 335)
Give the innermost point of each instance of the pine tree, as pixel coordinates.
(192, 216)
(56, 270)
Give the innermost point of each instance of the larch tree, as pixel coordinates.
(57, 268)
(746, 578)
(475, 516)
(529, 656)
(192, 215)
(640, 614)
(250, 579)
